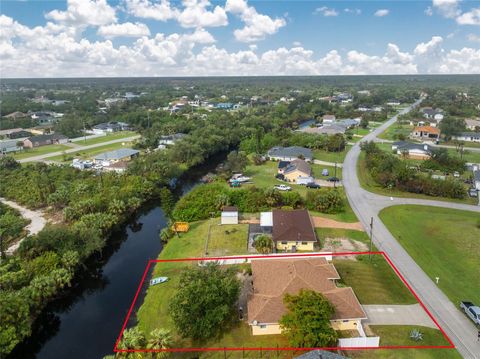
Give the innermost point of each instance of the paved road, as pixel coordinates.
(76, 149)
(37, 221)
(398, 315)
(367, 205)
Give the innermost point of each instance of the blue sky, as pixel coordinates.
(329, 37)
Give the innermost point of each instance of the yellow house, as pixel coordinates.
(273, 278)
(293, 231)
(296, 169)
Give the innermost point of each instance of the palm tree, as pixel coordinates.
(132, 338)
(160, 339)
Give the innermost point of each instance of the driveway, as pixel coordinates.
(37, 221)
(398, 315)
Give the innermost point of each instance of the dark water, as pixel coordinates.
(85, 323)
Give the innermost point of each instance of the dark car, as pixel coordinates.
(312, 185)
(333, 179)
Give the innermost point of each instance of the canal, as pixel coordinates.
(86, 321)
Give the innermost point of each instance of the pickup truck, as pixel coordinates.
(472, 311)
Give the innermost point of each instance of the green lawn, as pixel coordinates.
(392, 132)
(88, 154)
(42, 150)
(399, 335)
(108, 137)
(368, 183)
(228, 239)
(444, 242)
(374, 282)
(331, 156)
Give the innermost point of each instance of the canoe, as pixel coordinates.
(158, 280)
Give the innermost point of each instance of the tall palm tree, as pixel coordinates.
(132, 338)
(160, 339)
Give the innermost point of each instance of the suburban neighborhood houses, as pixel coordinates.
(298, 213)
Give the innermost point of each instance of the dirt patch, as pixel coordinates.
(344, 245)
(321, 222)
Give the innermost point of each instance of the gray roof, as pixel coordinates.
(117, 154)
(175, 136)
(407, 146)
(42, 138)
(431, 111)
(8, 144)
(293, 151)
(320, 354)
(476, 175)
(299, 165)
(470, 134)
(348, 122)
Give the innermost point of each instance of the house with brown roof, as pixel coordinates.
(293, 230)
(426, 133)
(273, 278)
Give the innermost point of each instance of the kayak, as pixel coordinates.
(158, 280)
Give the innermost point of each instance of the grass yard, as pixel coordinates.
(444, 242)
(400, 335)
(469, 156)
(109, 137)
(88, 154)
(368, 183)
(331, 156)
(42, 150)
(374, 282)
(392, 132)
(226, 240)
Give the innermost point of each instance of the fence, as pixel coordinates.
(359, 342)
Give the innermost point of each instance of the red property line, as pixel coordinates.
(116, 350)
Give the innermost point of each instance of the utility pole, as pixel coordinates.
(335, 176)
(371, 238)
(84, 132)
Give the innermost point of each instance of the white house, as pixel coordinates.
(476, 179)
(468, 137)
(169, 140)
(472, 124)
(229, 215)
(328, 119)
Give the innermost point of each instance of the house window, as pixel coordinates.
(284, 242)
(304, 243)
(263, 326)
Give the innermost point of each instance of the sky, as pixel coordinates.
(103, 38)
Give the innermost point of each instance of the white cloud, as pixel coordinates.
(325, 11)
(296, 43)
(352, 11)
(428, 11)
(84, 13)
(473, 38)
(469, 18)
(381, 12)
(257, 26)
(447, 8)
(126, 29)
(195, 14)
(147, 9)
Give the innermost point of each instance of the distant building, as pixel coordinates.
(393, 102)
(472, 124)
(9, 146)
(16, 115)
(327, 129)
(290, 153)
(19, 134)
(432, 114)
(43, 140)
(296, 169)
(169, 140)
(476, 179)
(426, 133)
(418, 151)
(327, 119)
(468, 137)
(122, 154)
(108, 127)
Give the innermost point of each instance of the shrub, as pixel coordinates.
(325, 201)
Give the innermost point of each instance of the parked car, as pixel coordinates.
(283, 187)
(472, 311)
(333, 179)
(325, 172)
(312, 185)
(456, 174)
(472, 192)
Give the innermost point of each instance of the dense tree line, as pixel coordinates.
(391, 172)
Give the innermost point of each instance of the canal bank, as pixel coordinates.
(86, 320)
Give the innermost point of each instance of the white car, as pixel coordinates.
(283, 187)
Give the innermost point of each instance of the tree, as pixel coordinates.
(263, 244)
(160, 339)
(307, 322)
(364, 122)
(132, 338)
(204, 302)
(236, 161)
